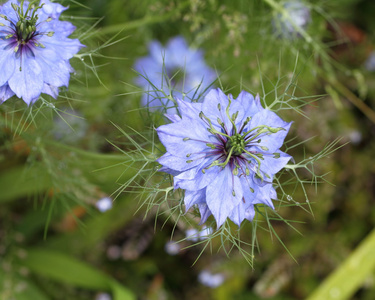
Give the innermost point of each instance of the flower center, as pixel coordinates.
(236, 143)
(25, 29)
(23, 32)
(27, 21)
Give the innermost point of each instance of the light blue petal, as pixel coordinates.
(177, 52)
(241, 212)
(271, 165)
(61, 29)
(176, 55)
(173, 117)
(50, 90)
(194, 179)
(193, 131)
(189, 110)
(169, 171)
(65, 48)
(177, 163)
(5, 93)
(150, 69)
(210, 108)
(28, 83)
(223, 194)
(275, 140)
(258, 103)
(194, 197)
(56, 71)
(265, 194)
(7, 64)
(50, 9)
(249, 189)
(7, 9)
(205, 213)
(157, 53)
(249, 106)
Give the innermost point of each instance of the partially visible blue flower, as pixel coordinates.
(211, 280)
(298, 17)
(224, 153)
(103, 296)
(104, 204)
(172, 248)
(370, 62)
(184, 66)
(194, 235)
(69, 127)
(34, 50)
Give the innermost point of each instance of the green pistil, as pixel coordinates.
(261, 129)
(256, 157)
(234, 116)
(236, 143)
(211, 130)
(27, 21)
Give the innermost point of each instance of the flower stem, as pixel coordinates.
(350, 275)
(147, 20)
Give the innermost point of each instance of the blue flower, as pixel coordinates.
(211, 280)
(298, 17)
(370, 62)
(34, 50)
(185, 67)
(224, 153)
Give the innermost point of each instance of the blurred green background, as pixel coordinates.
(55, 244)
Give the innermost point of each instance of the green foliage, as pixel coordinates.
(55, 244)
(64, 268)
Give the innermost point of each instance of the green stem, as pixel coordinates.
(363, 107)
(360, 104)
(350, 275)
(147, 20)
(99, 156)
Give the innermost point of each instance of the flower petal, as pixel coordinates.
(50, 90)
(241, 212)
(272, 141)
(164, 62)
(194, 197)
(223, 194)
(188, 110)
(215, 106)
(194, 179)
(27, 83)
(271, 165)
(184, 138)
(7, 63)
(5, 93)
(177, 163)
(56, 71)
(265, 194)
(205, 213)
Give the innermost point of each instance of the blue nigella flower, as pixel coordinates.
(185, 67)
(34, 49)
(224, 153)
(298, 17)
(370, 62)
(211, 280)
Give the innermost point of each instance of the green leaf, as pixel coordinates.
(350, 275)
(23, 181)
(64, 268)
